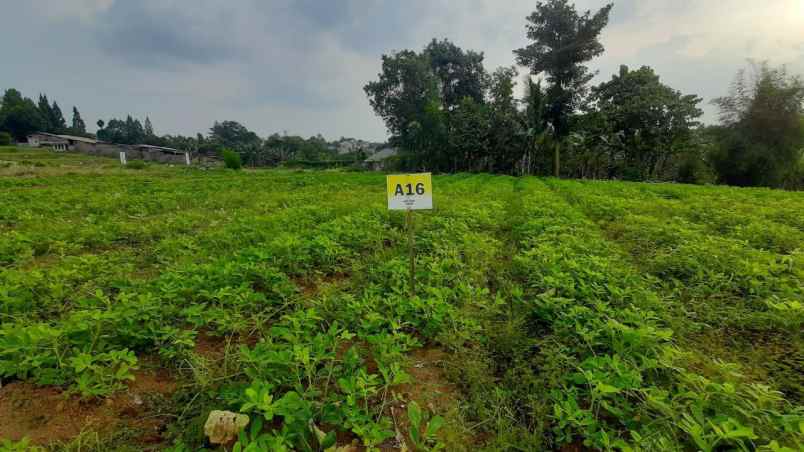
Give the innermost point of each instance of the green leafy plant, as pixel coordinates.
(423, 428)
(103, 373)
(231, 159)
(555, 313)
(24, 445)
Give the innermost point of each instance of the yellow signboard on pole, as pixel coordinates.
(410, 191)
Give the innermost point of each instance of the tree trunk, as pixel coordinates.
(557, 161)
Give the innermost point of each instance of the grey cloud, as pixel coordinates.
(625, 11)
(327, 14)
(369, 27)
(163, 33)
(300, 65)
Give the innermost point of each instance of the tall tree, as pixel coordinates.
(128, 131)
(134, 132)
(506, 137)
(149, 128)
(405, 87)
(232, 134)
(536, 128)
(79, 126)
(11, 98)
(19, 116)
(418, 92)
(46, 113)
(57, 121)
(460, 73)
(652, 121)
(563, 41)
(762, 138)
(427, 140)
(469, 136)
(113, 132)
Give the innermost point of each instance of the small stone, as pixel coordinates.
(223, 427)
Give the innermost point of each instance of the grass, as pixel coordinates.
(607, 315)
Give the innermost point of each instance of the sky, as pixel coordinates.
(299, 66)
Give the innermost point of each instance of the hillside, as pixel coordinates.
(549, 314)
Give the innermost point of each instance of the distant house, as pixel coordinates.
(379, 160)
(61, 142)
(82, 144)
(95, 147)
(160, 154)
(350, 145)
(48, 140)
(152, 148)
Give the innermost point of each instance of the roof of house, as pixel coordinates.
(382, 154)
(75, 138)
(48, 138)
(45, 134)
(159, 148)
(65, 137)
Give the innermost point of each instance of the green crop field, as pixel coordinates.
(548, 314)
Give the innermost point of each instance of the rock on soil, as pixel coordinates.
(223, 427)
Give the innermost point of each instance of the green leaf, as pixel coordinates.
(604, 388)
(329, 440)
(434, 426)
(415, 415)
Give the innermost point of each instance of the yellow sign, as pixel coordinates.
(410, 192)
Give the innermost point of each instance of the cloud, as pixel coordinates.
(161, 33)
(300, 65)
(769, 29)
(81, 9)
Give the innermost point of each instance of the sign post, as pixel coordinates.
(410, 192)
(411, 250)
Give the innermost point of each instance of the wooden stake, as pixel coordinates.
(411, 244)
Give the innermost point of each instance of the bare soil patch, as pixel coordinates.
(48, 415)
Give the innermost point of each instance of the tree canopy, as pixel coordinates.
(19, 116)
(232, 134)
(79, 126)
(652, 122)
(761, 140)
(128, 131)
(562, 41)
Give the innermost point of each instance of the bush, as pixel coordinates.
(231, 159)
(136, 164)
(694, 170)
(5, 138)
(794, 180)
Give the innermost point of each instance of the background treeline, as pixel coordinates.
(21, 116)
(277, 148)
(447, 113)
(252, 149)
